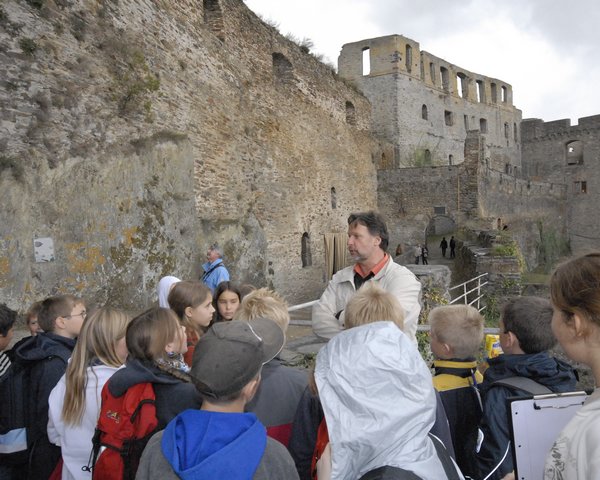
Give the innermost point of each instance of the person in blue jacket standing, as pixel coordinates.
(215, 271)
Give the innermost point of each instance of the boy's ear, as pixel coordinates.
(59, 323)
(250, 389)
(579, 326)
(448, 350)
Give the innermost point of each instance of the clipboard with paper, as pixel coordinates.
(535, 422)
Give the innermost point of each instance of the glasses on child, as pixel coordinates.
(82, 314)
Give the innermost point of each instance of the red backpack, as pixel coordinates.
(125, 425)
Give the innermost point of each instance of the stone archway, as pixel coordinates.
(440, 225)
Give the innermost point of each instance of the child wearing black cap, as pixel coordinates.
(220, 440)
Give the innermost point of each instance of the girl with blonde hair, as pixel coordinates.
(74, 403)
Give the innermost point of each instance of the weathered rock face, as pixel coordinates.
(136, 133)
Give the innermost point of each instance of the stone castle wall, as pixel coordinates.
(425, 105)
(568, 155)
(135, 134)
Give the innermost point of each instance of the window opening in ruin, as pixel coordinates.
(428, 157)
(448, 117)
(333, 198)
(408, 58)
(483, 125)
(444, 79)
(424, 115)
(450, 159)
(466, 119)
(306, 254)
(439, 210)
(494, 93)
(432, 72)
(213, 17)
(507, 168)
(504, 94)
(574, 152)
(463, 85)
(506, 130)
(579, 187)
(515, 132)
(480, 91)
(350, 114)
(366, 61)
(283, 71)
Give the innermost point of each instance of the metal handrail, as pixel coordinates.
(424, 328)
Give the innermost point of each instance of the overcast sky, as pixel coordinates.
(548, 50)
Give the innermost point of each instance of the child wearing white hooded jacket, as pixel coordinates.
(379, 404)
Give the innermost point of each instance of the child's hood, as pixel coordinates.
(201, 444)
(44, 345)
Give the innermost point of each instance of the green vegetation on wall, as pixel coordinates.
(551, 247)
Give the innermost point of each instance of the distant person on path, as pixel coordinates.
(452, 247)
(215, 271)
(367, 243)
(424, 254)
(417, 253)
(444, 246)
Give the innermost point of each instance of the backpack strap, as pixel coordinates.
(208, 272)
(523, 383)
(445, 458)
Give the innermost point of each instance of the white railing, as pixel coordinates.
(470, 286)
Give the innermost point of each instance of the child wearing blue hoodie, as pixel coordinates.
(220, 440)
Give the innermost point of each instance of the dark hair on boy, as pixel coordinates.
(375, 223)
(8, 317)
(54, 307)
(529, 318)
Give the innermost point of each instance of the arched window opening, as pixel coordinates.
(424, 114)
(350, 114)
(333, 198)
(494, 92)
(480, 91)
(366, 61)
(427, 157)
(448, 117)
(213, 17)
(444, 79)
(450, 160)
(575, 152)
(306, 254)
(506, 130)
(466, 119)
(504, 94)
(483, 125)
(408, 58)
(463, 85)
(283, 71)
(432, 72)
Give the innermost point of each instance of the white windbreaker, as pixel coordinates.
(379, 403)
(76, 440)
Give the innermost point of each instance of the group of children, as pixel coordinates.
(369, 410)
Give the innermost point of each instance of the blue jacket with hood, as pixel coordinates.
(203, 444)
(494, 457)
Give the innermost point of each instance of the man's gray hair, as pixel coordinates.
(215, 248)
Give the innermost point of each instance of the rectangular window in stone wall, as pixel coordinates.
(448, 117)
(439, 210)
(579, 187)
